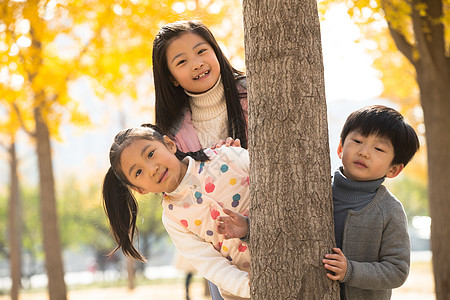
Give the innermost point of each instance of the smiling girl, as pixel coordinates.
(197, 188)
(200, 98)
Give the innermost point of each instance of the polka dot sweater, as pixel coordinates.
(190, 214)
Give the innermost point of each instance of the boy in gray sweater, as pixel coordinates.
(373, 248)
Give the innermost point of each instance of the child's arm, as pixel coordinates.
(208, 261)
(233, 226)
(383, 264)
(337, 264)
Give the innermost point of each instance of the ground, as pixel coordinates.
(418, 286)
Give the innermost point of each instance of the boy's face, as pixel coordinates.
(367, 157)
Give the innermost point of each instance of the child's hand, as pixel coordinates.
(232, 226)
(336, 263)
(228, 142)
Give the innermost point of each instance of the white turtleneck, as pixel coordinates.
(209, 114)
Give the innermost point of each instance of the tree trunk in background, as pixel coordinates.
(292, 224)
(431, 60)
(131, 273)
(15, 225)
(52, 241)
(435, 98)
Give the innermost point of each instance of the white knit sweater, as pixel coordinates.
(209, 114)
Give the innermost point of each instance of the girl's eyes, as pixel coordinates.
(379, 149)
(150, 154)
(357, 141)
(201, 51)
(181, 62)
(138, 172)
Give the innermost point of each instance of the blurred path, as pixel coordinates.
(418, 286)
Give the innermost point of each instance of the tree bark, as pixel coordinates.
(52, 241)
(292, 224)
(131, 273)
(15, 225)
(433, 77)
(435, 98)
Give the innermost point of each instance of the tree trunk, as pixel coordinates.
(52, 241)
(433, 77)
(15, 224)
(435, 97)
(292, 224)
(131, 273)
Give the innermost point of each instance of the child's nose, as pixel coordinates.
(197, 65)
(154, 170)
(363, 151)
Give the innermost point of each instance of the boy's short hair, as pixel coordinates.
(384, 122)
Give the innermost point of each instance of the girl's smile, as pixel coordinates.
(192, 63)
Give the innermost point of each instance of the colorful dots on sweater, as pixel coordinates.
(233, 181)
(202, 164)
(209, 187)
(198, 222)
(209, 184)
(199, 198)
(223, 168)
(184, 223)
(236, 198)
(242, 247)
(209, 232)
(214, 214)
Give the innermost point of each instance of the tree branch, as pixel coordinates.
(402, 44)
(22, 123)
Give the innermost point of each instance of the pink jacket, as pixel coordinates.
(186, 137)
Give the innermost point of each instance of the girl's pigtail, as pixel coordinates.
(121, 209)
(197, 155)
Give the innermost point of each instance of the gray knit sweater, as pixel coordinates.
(376, 244)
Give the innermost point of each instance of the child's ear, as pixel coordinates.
(394, 170)
(174, 82)
(139, 190)
(170, 144)
(339, 149)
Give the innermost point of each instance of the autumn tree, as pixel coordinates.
(292, 224)
(420, 31)
(9, 130)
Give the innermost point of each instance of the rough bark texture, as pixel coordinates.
(291, 205)
(432, 64)
(52, 241)
(15, 224)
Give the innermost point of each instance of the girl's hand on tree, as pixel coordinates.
(337, 264)
(228, 142)
(232, 226)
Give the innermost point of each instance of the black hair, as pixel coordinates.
(119, 203)
(171, 101)
(384, 122)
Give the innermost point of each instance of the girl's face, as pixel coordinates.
(151, 166)
(193, 63)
